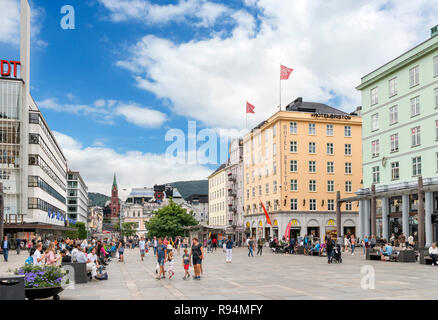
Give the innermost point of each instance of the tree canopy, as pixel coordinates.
(169, 220)
(128, 229)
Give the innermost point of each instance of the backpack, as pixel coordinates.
(28, 261)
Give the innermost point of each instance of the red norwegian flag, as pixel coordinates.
(285, 72)
(249, 108)
(268, 220)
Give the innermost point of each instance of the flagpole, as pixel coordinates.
(280, 88)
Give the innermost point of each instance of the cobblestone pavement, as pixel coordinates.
(271, 276)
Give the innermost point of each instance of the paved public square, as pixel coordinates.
(271, 276)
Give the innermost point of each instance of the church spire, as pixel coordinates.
(115, 181)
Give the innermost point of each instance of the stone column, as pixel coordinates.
(385, 218)
(366, 231)
(405, 214)
(361, 228)
(428, 217)
(338, 214)
(420, 213)
(373, 211)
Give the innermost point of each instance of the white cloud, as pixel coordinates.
(105, 111)
(10, 23)
(330, 44)
(134, 168)
(142, 117)
(206, 13)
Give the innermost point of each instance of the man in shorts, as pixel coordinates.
(142, 245)
(161, 257)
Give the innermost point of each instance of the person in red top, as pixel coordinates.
(214, 241)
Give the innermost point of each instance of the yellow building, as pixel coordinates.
(217, 197)
(294, 162)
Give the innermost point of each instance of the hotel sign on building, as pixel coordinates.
(295, 162)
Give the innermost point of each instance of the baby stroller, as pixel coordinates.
(336, 256)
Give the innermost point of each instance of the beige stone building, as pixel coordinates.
(217, 197)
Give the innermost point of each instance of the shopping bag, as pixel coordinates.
(117, 255)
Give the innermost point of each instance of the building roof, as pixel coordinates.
(298, 105)
(142, 192)
(221, 167)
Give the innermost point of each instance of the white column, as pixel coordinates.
(405, 214)
(385, 218)
(360, 228)
(367, 217)
(428, 208)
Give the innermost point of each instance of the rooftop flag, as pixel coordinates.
(249, 108)
(285, 72)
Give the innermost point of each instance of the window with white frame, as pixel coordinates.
(330, 149)
(375, 148)
(253, 192)
(274, 130)
(329, 130)
(348, 206)
(293, 128)
(347, 167)
(267, 188)
(414, 76)
(312, 204)
(395, 170)
(376, 174)
(293, 165)
(348, 187)
(266, 171)
(374, 96)
(392, 87)
(312, 166)
(247, 194)
(393, 114)
(375, 122)
(330, 167)
(312, 185)
(436, 98)
(274, 149)
(274, 186)
(394, 142)
(347, 131)
(416, 136)
(312, 129)
(294, 204)
(416, 166)
(312, 147)
(293, 185)
(436, 161)
(436, 129)
(331, 205)
(435, 66)
(293, 146)
(274, 167)
(415, 106)
(260, 190)
(330, 186)
(347, 149)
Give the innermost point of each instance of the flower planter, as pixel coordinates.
(43, 293)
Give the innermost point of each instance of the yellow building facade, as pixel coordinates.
(217, 197)
(294, 163)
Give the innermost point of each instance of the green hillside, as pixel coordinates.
(187, 188)
(97, 199)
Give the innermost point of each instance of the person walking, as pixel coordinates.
(260, 246)
(229, 249)
(155, 244)
(353, 244)
(6, 246)
(142, 246)
(214, 241)
(161, 257)
(251, 247)
(197, 254)
(186, 264)
(18, 243)
(330, 244)
(170, 264)
(121, 249)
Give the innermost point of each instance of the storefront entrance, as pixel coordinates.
(313, 230)
(294, 232)
(267, 233)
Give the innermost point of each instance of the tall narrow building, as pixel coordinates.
(115, 204)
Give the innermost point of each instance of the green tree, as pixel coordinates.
(169, 220)
(116, 227)
(82, 230)
(129, 229)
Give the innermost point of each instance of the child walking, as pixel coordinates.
(186, 264)
(170, 259)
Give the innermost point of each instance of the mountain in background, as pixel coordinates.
(98, 199)
(185, 188)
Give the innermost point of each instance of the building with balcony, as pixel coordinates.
(218, 197)
(400, 145)
(77, 197)
(295, 162)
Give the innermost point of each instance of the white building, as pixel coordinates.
(217, 197)
(77, 197)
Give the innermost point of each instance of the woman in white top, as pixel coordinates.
(433, 252)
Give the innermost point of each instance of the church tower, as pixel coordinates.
(115, 204)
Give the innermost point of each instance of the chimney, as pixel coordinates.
(434, 31)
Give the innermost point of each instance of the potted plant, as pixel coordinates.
(42, 281)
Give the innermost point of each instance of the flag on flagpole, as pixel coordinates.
(285, 72)
(268, 220)
(249, 108)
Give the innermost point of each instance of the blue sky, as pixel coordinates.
(133, 69)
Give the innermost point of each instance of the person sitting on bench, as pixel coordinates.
(316, 248)
(386, 251)
(433, 252)
(91, 266)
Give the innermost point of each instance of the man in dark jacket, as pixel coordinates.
(330, 244)
(6, 246)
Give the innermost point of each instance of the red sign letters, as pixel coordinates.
(6, 68)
